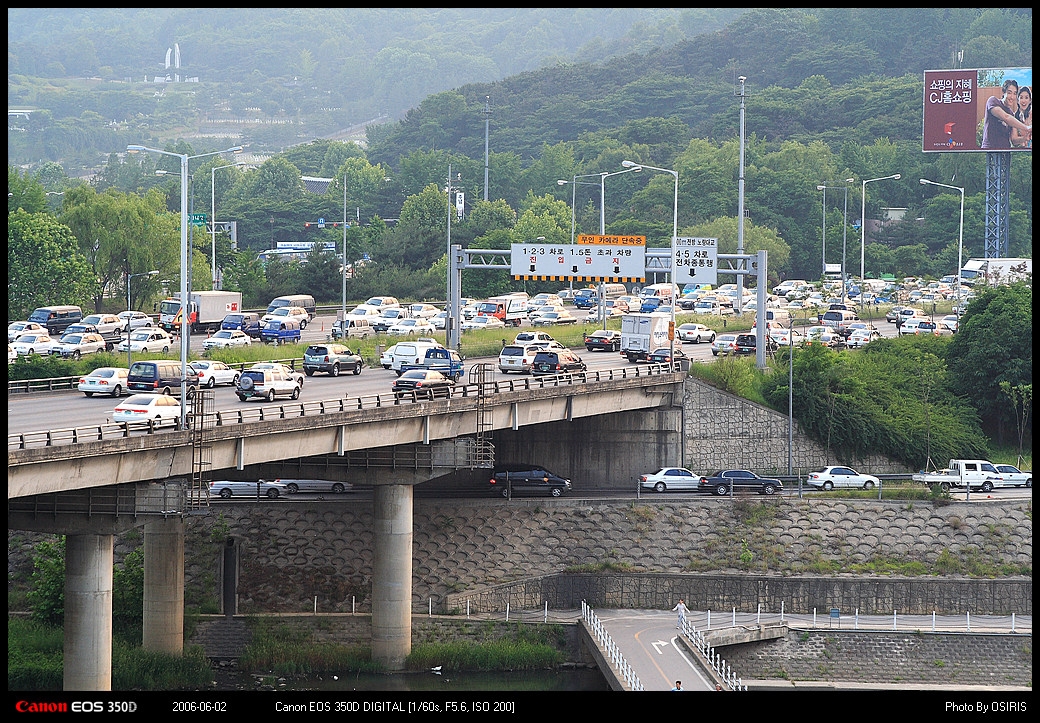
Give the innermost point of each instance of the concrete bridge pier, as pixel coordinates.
(163, 624)
(88, 612)
(392, 575)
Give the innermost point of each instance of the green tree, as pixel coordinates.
(47, 592)
(121, 234)
(44, 265)
(24, 192)
(994, 344)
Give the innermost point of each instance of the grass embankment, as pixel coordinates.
(35, 655)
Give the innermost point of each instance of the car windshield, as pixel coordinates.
(139, 336)
(103, 373)
(222, 335)
(73, 339)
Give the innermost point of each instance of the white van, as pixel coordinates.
(410, 352)
(613, 291)
(661, 291)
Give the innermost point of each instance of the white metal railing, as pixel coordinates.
(610, 649)
(713, 659)
(289, 410)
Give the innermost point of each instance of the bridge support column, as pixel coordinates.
(88, 612)
(164, 586)
(392, 575)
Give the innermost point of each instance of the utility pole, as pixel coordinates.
(739, 302)
(487, 123)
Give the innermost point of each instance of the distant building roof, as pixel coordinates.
(316, 185)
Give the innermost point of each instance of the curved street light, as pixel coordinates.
(675, 232)
(960, 240)
(863, 231)
(184, 158)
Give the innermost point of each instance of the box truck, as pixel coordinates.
(643, 334)
(206, 310)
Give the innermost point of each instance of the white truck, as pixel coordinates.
(509, 308)
(206, 310)
(996, 271)
(643, 334)
(970, 473)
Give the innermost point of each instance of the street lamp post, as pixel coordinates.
(184, 158)
(213, 212)
(844, 229)
(863, 231)
(960, 239)
(824, 254)
(675, 233)
(574, 183)
(129, 308)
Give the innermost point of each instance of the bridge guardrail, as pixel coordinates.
(289, 410)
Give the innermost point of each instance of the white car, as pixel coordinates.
(670, 478)
(247, 488)
(227, 338)
(827, 478)
(439, 320)
(483, 322)
(142, 409)
(287, 312)
(695, 333)
(423, 311)
(366, 310)
(150, 339)
(724, 344)
(17, 328)
(949, 323)
(784, 337)
(35, 342)
(137, 319)
(76, 345)
(554, 318)
(407, 327)
(1013, 476)
(212, 373)
(862, 337)
(110, 381)
(386, 359)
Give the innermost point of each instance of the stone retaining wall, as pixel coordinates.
(715, 552)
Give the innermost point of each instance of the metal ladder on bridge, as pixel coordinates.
(484, 451)
(197, 498)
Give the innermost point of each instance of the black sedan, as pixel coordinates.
(510, 480)
(742, 481)
(664, 356)
(422, 384)
(603, 340)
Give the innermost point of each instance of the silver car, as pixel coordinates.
(247, 488)
(315, 485)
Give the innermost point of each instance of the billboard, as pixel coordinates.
(978, 110)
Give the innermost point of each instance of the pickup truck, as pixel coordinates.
(970, 473)
(446, 361)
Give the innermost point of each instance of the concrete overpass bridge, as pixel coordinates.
(91, 484)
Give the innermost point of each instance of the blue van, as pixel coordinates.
(281, 331)
(247, 321)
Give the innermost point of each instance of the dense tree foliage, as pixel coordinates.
(44, 265)
(994, 346)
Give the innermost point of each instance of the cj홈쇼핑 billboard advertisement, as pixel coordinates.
(987, 109)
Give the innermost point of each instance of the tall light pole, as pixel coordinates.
(960, 239)
(574, 188)
(184, 157)
(824, 254)
(675, 233)
(844, 229)
(602, 232)
(863, 232)
(130, 308)
(740, 202)
(343, 322)
(213, 213)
